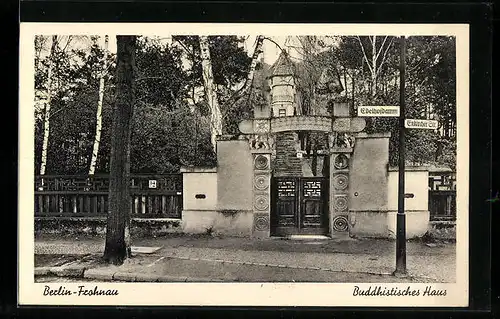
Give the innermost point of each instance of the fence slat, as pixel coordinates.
(152, 208)
(134, 205)
(87, 205)
(94, 205)
(102, 209)
(74, 204)
(163, 205)
(80, 200)
(40, 204)
(148, 205)
(143, 205)
(47, 203)
(158, 205)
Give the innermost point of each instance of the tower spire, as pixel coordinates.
(282, 83)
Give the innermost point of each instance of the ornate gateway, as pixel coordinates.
(286, 199)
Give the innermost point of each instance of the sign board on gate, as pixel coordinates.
(423, 124)
(152, 183)
(378, 111)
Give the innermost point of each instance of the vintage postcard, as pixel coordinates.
(229, 164)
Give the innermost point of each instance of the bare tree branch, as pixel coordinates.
(364, 54)
(183, 46)
(269, 39)
(410, 70)
(384, 56)
(381, 47)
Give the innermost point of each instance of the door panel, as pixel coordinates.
(312, 215)
(286, 214)
(285, 203)
(299, 205)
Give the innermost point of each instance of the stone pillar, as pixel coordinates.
(261, 193)
(340, 158)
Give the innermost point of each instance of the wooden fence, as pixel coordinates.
(152, 196)
(442, 196)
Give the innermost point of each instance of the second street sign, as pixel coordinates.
(376, 111)
(422, 124)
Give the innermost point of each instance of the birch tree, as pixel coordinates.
(253, 64)
(210, 92)
(46, 123)
(376, 59)
(98, 129)
(245, 90)
(40, 42)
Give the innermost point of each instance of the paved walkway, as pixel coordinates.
(239, 259)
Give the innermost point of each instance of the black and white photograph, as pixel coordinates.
(269, 162)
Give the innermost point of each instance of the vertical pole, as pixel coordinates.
(401, 218)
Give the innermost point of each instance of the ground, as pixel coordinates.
(229, 259)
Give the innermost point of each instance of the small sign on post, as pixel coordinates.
(152, 183)
(378, 111)
(422, 124)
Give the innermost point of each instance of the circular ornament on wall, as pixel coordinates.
(340, 181)
(341, 161)
(261, 162)
(261, 182)
(261, 222)
(261, 202)
(340, 203)
(340, 223)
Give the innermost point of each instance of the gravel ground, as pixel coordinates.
(55, 279)
(362, 256)
(227, 272)
(430, 266)
(87, 243)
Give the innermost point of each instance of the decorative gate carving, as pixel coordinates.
(299, 205)
(340, 158)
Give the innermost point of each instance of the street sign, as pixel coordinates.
(378, 111)
(423, 124)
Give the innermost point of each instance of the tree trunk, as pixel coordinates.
(117, 247)
(374, 67)
(210, 92)
(352, 93)
(255, 58)
(39, 42)
(46, 122)
(98, 129)
(345, 82)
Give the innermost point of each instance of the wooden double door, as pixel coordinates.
(299, 206)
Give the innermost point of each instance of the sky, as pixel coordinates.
(270, 50)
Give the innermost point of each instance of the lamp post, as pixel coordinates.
(401, 217)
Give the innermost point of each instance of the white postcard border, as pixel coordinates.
(237, 294)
